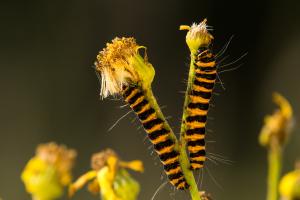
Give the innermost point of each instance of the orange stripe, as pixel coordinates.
(194, 137)
(166, 150)
(146, 107)
(150, 117)
(161, 138)
(194, 149)
(173, 171)
(196, 111)
(199, 158)
(205, 80)
(209, 64)
(197, 99)
(196, 124)
(131, 94)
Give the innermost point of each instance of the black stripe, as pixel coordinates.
(170, 166)
(207, 76)
(128, 91)
(200, 131)
(137, 108)
(204, 84)
(124, 87)
(204, 95)
(150, 124)
(198, 118)
(198, 153)
(175, 176)
(199, 142)
(168, 155)
(155, 134)
(200, 106)
(162, 145)
(201, 49)
(133, 99)
(201, 162)
(144, 115)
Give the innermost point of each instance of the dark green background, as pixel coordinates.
(49, 91)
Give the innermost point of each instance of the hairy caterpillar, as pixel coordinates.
(201, 82)
(158, 133)
(199, 98)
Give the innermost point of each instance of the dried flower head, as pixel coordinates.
(46, 174)
(197, 35)
(277, 126)
(205, 196)
(99, 160)
(121, 64)
(58, 155)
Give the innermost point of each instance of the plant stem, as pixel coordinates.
(183, 158)
(274, 169)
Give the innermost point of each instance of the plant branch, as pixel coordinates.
(274, 168)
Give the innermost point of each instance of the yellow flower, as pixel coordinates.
(197, 35)
(277, 126)
(46, 174)
(289, 187)
(109, 177)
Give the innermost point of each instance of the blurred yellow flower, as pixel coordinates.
(46, 174)
(289, 187)
(110, 177)
(277, 126)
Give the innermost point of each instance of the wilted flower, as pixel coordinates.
(120, 64)
(110, 177)
(49, 171)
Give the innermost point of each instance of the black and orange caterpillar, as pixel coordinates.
(197, 108)
(158, 133)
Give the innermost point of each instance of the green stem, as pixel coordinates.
(274, 169)
(183, 158)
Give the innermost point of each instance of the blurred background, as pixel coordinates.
(49, 90)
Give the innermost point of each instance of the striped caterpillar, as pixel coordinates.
(201, 82)
(158, 133)
(124, 72)
(199, 98)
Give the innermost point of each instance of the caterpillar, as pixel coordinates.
(197, 108)
(158, 133)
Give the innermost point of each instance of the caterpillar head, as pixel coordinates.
(120, 63)
(197, 35)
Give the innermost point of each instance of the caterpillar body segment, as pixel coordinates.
(199, 96)
(158, 133)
